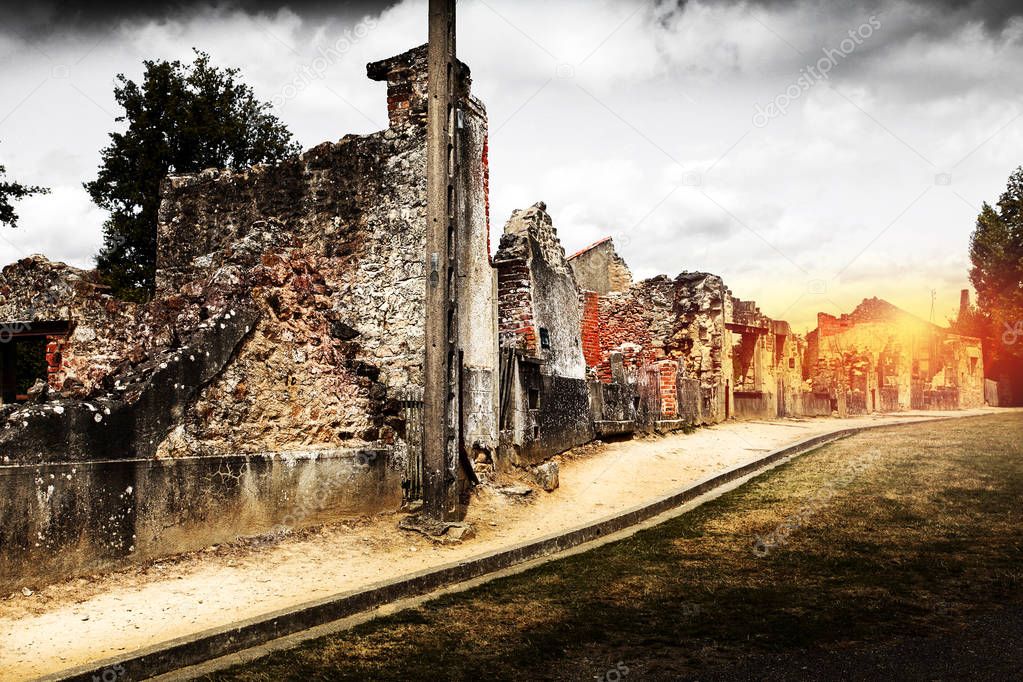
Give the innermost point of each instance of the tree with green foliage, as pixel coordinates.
(996, 252)
(181, 118)
(12, 191)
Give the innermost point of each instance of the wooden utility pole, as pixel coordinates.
(440, 400)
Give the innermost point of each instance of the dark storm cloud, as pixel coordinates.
(47, 16)
(993, 14)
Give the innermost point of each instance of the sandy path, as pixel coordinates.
(88, 620)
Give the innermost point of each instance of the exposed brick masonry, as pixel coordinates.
(515, 315)
(55, 348)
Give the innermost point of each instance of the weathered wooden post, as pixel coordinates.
(440, 397)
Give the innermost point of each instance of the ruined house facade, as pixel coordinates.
(545, 403)
(322, 257)
(879, 358)
(282, 356)
(284, 349)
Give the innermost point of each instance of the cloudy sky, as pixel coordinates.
(812, 155)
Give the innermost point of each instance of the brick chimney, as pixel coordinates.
(964, 303)
(406, 77)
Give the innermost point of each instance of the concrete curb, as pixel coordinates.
(210, 644)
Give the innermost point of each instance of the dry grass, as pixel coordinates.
(927, 531)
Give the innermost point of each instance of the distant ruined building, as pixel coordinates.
(277, 376)
(882, 359)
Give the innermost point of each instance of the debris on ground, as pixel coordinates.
(546, 476)
(515, 490)
(445, 532)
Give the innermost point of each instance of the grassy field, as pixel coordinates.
(903, 531)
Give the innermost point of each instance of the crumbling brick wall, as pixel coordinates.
(880, 357)
(539, 298)
(638, 317)
(540, 324)
(682, 320)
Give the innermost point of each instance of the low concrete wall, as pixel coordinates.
(65, 519)
(991, 393)
(564, 422)
(816, 405)
(752, 405)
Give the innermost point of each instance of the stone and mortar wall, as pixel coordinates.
(313, 246)
(599, 268)
(788, 368)
(884, 358)
(342, 339)
(104, 333)
(538, 292)
(540, 318)
(681, 320)
(337, 240)
(326, 251)
(476, 286)
(288, 320)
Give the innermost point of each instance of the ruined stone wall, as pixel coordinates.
(755, 380)
(966, 360)
(704, 305)
(287, 327)
(336, 239)
(104, 333)
(342, 339)
(599, 268)
(323, 256)
(787, 369)
(539, 298)
(640, 317)
(476, 286)
(660, 319)
(841, 358)
(540, 318)
(880, 357)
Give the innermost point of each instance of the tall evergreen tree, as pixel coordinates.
(996, 252)
(182, 118)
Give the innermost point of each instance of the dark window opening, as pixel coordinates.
(536, 433)
(545, 339)
(534, 399)
(23, 357)
(22, 363)
(792, 363)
